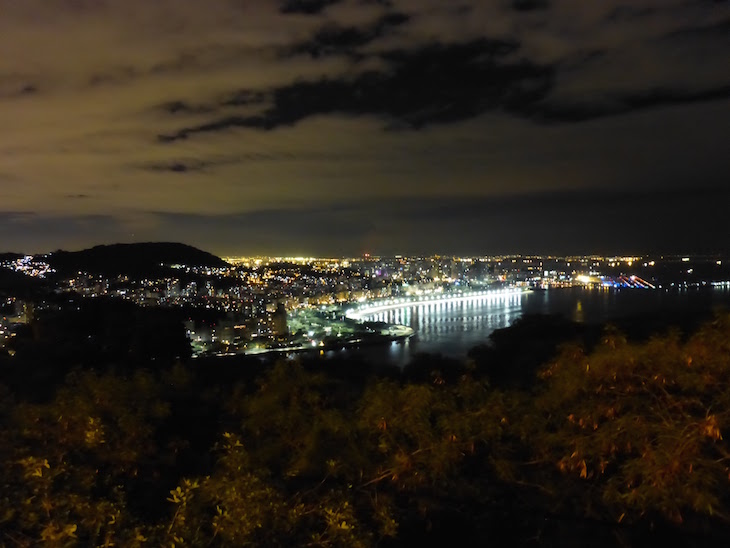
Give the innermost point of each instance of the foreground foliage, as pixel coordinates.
(609, 444)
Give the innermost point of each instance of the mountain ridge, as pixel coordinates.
(132, 258)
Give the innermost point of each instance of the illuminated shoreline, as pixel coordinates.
(375, 307)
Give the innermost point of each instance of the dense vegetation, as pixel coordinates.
(602, 441)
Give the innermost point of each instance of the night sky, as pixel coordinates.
(328, 127)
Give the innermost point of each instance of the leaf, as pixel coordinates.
(583, 470)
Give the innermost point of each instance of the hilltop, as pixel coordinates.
(8, 256)
(132, 259)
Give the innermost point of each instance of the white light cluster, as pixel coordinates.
(377, 307)
(30, 266)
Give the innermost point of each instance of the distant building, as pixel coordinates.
(279, 321)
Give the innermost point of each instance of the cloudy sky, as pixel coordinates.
(386, 126)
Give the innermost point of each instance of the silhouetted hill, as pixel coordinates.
(132, 259)
(9, 256)
(18, 284)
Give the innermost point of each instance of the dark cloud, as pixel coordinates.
(210, 163)
(308, 7)
(180, 167)
(336, 40)
(611, 105)
(183, 107)
(384, 3)
(16, 91)
(446, 82)
(435, 84)
(244, 97)
(530, 5)
(192, 165)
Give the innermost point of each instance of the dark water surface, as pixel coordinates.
(452, 329)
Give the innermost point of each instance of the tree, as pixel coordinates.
(636, 429)
(71, 462)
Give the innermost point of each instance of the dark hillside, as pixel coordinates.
(132, 259)
(9, 256)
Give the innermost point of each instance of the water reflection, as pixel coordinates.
(466, 321)
(452, 328)
(578, 314)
